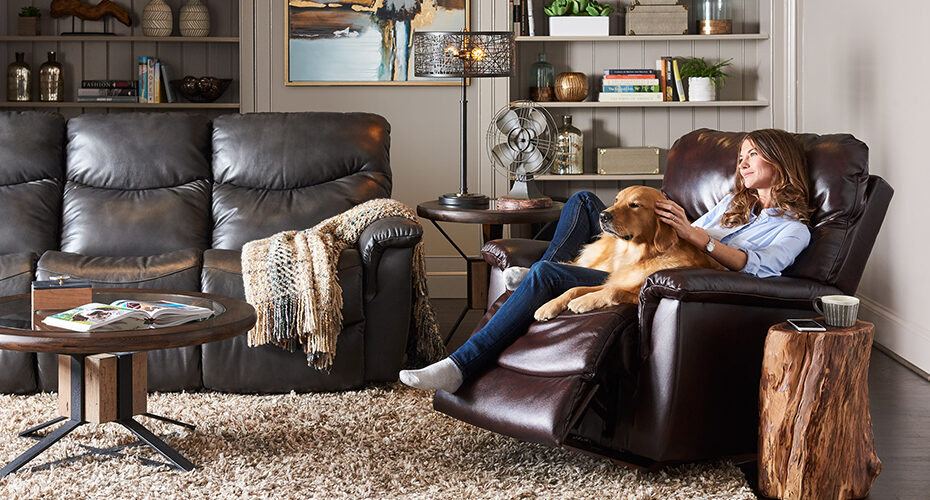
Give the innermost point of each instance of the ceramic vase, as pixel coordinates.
(701, 89)
(157, 19)
(194, 19)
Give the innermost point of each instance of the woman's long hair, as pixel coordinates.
(790, 192)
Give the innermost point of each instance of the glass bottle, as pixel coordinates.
(569, 149)
(19, 79)
(542, 80)
(714, 17)
(51, 82)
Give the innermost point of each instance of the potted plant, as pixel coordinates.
(29, 21)
(578, 18)
(703, 78)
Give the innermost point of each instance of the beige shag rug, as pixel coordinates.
(381, 442)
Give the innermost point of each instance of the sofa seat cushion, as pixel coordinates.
(16, 273)
(222, 274)
(169, 369)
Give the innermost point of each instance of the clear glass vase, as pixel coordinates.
(51, 81)
(542, 80)
(569, 149)
(714, 17)
(19, 79)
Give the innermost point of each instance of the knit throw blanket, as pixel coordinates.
(290, 279)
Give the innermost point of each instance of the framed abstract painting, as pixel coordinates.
(363, 42)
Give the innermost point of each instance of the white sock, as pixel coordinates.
(513, 276)
(443, 375)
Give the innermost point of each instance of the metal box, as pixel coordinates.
(656, 19)
(631, 160)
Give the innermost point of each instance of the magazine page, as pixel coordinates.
(95, 316)
(165, 313)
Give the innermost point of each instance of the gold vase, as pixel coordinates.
(51, 82)
(571, 86)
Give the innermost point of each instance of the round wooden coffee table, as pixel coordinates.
(231, 318)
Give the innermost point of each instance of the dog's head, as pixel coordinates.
(632, 217)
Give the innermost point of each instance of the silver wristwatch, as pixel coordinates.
(709, 247)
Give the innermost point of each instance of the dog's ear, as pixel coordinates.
(666, 237)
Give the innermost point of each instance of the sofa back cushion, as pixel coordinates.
(32, 150)
(137, 184)
(700, 171)
(281, 171)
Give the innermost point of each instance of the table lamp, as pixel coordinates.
(463, 54)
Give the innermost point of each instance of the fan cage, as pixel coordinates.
(543, 141)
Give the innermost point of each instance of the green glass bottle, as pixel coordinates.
(542, 80)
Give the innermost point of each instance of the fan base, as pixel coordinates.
(523, 204)
(465, 200)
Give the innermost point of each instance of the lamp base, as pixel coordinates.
(465, 200)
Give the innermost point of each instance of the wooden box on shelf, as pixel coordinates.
(627, 161)
(669, 19)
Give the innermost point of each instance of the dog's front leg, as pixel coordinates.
(552, 308)
(607, 296)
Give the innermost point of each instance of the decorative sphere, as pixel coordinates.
(571, 86)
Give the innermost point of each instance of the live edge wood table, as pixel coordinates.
(815, 431)
(80, 369)
(492, 222)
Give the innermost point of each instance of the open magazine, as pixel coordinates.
(127, 315)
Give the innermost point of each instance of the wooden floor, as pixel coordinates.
(900, 407)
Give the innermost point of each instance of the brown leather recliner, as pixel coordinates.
(677, 377)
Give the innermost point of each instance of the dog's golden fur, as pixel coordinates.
(633, 245)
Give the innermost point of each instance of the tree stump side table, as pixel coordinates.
(815, 431)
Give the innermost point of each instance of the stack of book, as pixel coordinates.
(154, 79)
(108, 91)
(633, 85)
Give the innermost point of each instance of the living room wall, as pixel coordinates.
(425, 127)
(866, 78)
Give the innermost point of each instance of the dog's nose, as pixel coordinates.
(606, 217)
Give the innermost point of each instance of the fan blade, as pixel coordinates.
(504, 154)
(536, 121)
(508, 122)
(532, 159)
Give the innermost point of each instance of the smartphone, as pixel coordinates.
(806, 325)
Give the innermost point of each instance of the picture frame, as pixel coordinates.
(345, 43)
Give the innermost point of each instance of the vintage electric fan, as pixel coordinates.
(521, 144)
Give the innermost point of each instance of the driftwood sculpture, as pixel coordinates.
(88, 12)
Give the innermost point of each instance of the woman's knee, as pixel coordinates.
(582, 197)
(543, 271)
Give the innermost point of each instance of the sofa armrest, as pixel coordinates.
(511, 252)
(390, 232)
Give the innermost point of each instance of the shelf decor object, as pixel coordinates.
(203, 89)
(666, 18)
(463, 55)
(87, 12)
(703, 78)
(19, 79)
(571, 87)
(51, 81)
(157, 19)
(542, 79)
(520, 145)
(28, 22)
(194, 19)
(714, 17)
(569, 149)
(578, 18)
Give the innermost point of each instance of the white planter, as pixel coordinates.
(579, 26)
(701, 89)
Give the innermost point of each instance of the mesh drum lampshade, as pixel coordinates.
(463, 54)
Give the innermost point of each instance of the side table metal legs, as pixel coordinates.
(77, 417)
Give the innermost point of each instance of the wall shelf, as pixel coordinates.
(163, 105)
(119, 38)
(645, 38)
(600, 177)
(666, 104)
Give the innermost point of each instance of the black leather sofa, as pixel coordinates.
(166, 201)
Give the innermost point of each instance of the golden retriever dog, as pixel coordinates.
(633, 245)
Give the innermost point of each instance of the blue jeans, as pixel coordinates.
(547, 279)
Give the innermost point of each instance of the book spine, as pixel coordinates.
(650, 74)
(670, 94)
(524, 19)
(115, 98)
(150, 81)
(105, 92)
(157, 82)
(108, 84)
(678, 84)
(629, 72)
(141, 79)
(630, 97)
(530, 23)
(629, 81)
(630, 88)
(660, 70)
(517, 14)
(166, 81)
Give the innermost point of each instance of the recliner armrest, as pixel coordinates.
(511, 252)
(390, 232)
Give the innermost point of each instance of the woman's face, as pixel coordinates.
(757, 173)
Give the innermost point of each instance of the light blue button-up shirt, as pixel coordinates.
(771, 242)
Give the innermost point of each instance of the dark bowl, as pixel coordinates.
(203, 89)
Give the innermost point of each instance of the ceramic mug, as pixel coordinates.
(838, 310)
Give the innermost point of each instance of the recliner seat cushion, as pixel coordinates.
(168, 369)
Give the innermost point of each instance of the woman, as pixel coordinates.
(759, 229)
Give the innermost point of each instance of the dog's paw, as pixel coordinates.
(547, 311)
(585, 303)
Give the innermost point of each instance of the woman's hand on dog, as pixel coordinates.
(672, 214)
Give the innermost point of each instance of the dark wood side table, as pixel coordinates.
(815, 431)
(492, 223)
(231, 318)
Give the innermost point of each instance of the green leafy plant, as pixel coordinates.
(578, 8)
(697, 67)
(30, 11)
